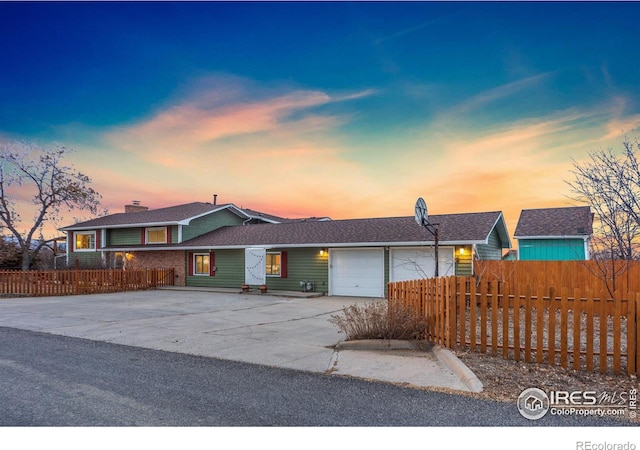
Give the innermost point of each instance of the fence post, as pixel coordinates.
(540, 324)
(590, 307)
(505, 321)
(453, 310)
(603, 323)
(617, 312)
(461, 289)
(473, 304)
(564, 328)
(494, 318)
(76, 278)
(483, 315)
(577, 322)
(552, 326)
(527, 324)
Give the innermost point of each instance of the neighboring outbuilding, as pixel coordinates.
(227, 246)
(554, 234)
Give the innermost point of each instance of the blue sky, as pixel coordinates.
(346, 109)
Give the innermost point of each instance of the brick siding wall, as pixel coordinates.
(161, 259)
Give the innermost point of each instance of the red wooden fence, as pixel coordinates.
(70, 282)
(582, 329)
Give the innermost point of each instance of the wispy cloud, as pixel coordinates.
(204, 118)
(502, 92)
(408, 30)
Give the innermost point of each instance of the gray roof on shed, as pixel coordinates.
(453, 229)
(555, 222)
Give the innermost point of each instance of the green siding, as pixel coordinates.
(133, 236)
(229, 270)
(86, 260)
(303, 264)
(491, 250)
(208, 223)
(125, 236)
(551, 249)
(464, 263)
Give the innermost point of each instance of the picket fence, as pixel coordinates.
(71, 282)
(581, 329)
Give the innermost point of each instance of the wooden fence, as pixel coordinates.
(581, 329)
(71, 282)
(597, 276)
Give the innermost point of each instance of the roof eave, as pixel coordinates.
(501, 227)
(131, 225)
(566, 236)
(306, 245)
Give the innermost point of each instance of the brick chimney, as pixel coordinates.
(135, 207)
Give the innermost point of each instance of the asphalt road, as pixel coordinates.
(50, 380)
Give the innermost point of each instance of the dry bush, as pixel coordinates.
(379, 320)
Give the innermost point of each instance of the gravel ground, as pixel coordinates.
(504, 380)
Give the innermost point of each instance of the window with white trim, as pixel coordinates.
(156, 235)
(201, 264)
(274, 264)
(85, 241)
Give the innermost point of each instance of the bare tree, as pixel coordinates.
(610, 184)
(28, 169)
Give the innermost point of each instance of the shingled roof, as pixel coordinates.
(453, 229)
(172, 215)
(555, 222)
(165, 216)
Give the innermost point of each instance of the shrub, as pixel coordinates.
(380, 320)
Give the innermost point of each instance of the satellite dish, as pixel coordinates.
(421, 212)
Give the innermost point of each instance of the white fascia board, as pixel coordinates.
(239, 211)
(311, 245)
(221, 208)
(506, 232)
(264, 219)
(578, 236)
(133, 225)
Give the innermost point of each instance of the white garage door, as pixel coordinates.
(419, 262)
(356, 272)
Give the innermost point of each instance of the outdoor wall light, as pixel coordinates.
(461, 251)
(323, 252)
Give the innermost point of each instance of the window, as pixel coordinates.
(201, 264)
(156, 235)
(273, 264)
(85, 241)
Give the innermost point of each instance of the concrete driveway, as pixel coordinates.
(280, 331)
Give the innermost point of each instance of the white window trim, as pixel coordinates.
(195, 266)
(279, 274)
(146, 235)
(84, 233)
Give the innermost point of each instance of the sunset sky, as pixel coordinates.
(342, 109)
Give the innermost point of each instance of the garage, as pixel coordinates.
(412, 263)
(356, 272)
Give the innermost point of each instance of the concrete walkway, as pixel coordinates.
(280, 329)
